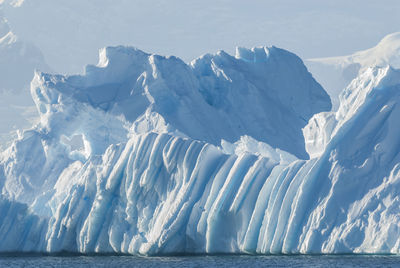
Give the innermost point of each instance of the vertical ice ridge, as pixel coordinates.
(250, 189)
(272, 230)
(220, 212)
(292, 239)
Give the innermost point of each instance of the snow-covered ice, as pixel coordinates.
(335, 73)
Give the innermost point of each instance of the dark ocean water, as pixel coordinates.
(203, 261)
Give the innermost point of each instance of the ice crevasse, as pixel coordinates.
(147, 154)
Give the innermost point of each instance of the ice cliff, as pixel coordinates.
(146, 154)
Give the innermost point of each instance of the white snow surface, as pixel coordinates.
(335, 73)
(126, 159)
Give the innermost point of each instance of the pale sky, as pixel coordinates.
(69, 32)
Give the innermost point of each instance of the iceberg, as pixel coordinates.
(145, 154)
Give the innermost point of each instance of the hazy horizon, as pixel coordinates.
(69, 33)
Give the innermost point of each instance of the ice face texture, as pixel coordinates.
(136, 157)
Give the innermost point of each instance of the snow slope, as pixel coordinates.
(335, 73)
(114, 177)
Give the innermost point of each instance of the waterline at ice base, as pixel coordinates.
(145, 154)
